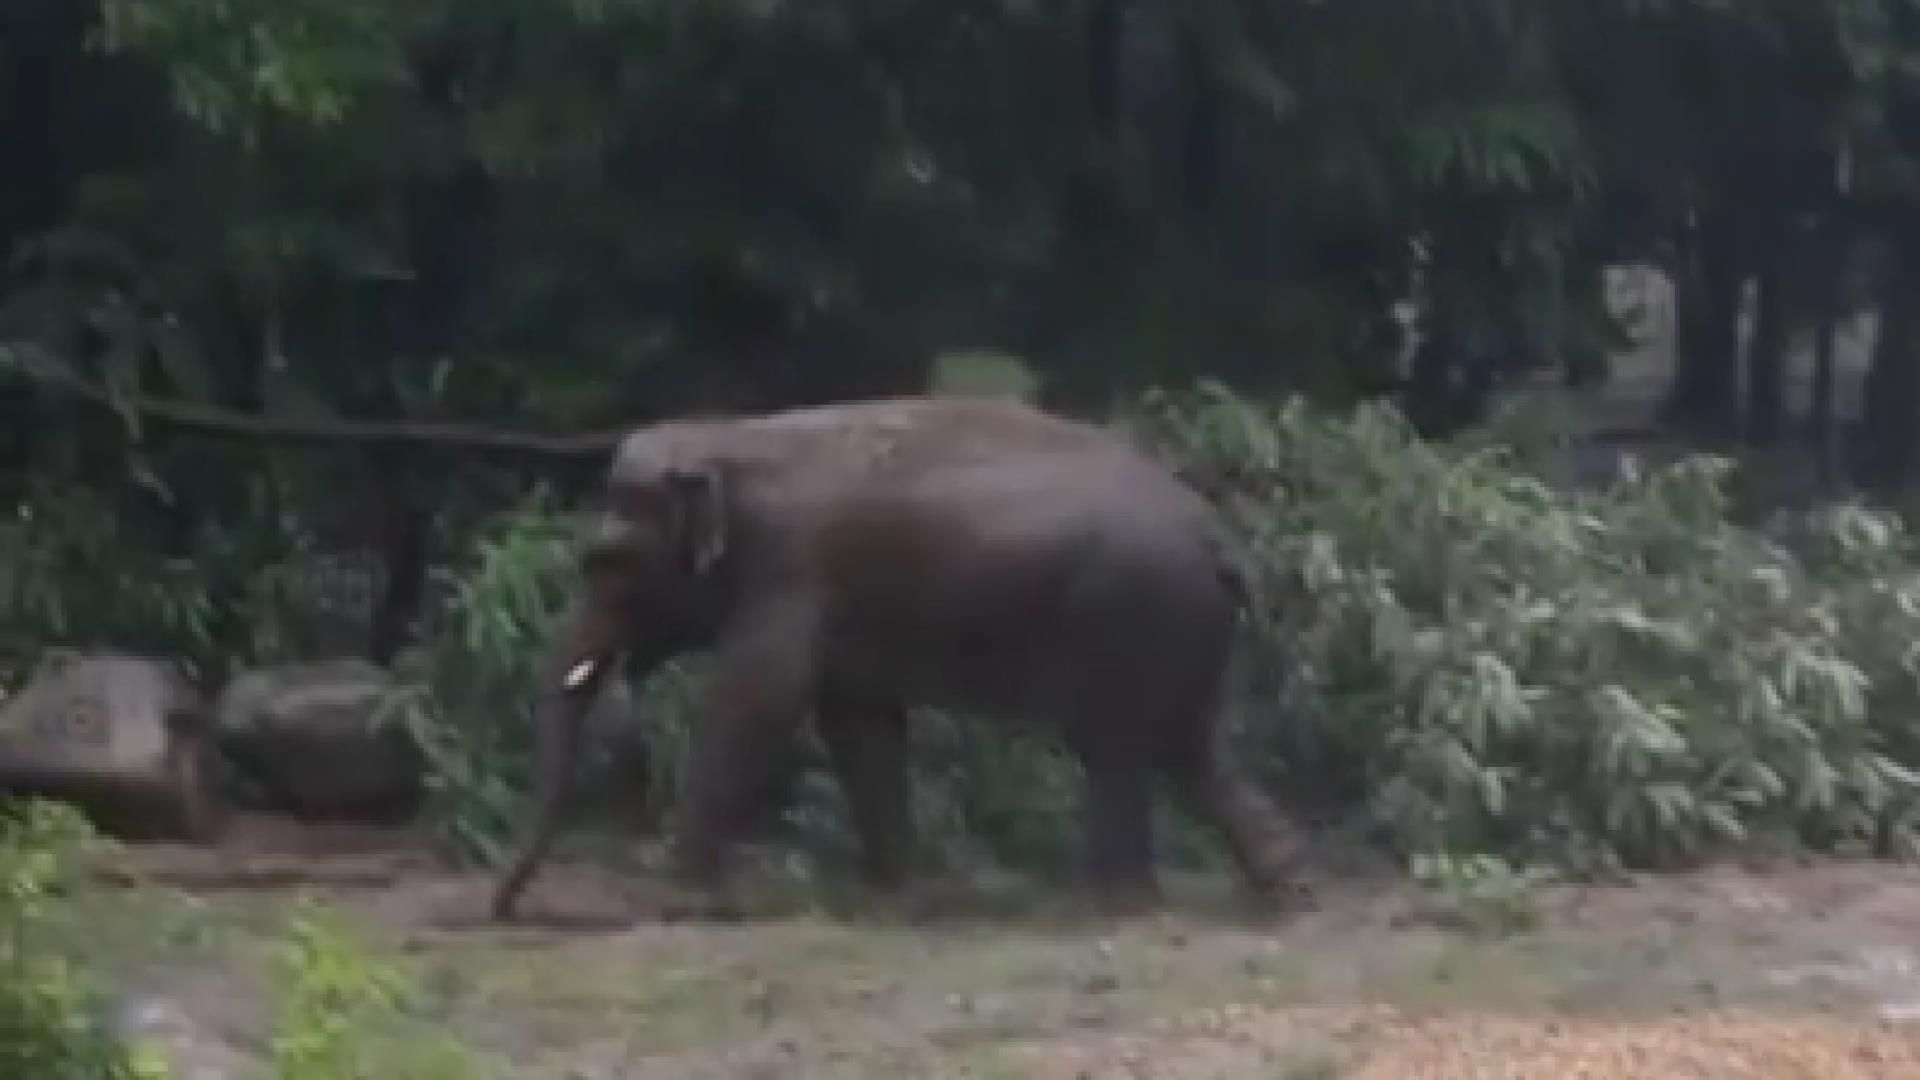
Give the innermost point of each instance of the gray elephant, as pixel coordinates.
(851, 560)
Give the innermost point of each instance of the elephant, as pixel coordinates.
(982, 556)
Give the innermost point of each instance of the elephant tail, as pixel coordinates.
(1231, 571)
(1234, 580)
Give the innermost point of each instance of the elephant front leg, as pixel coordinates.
(867, 742)
(761, 683)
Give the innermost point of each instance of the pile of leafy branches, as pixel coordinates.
(1475, 660)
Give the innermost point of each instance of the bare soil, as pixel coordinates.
(1808, 970)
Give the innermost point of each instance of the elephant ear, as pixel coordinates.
(699, 501)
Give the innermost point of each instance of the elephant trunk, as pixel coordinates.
(587, 647)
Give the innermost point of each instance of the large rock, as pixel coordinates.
(310, 739)
(316, 741)
(124, 738)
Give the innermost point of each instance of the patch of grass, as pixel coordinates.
(341, 1009)
(1314, 1063)
(1480, 894)
(52, 1005)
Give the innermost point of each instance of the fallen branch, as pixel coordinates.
(209, 420)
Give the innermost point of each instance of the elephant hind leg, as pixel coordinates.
(867, 742)
(1119, 830)
(1259, 840)
(1118, 806)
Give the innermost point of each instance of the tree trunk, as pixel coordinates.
(1201, 133)
(1707, 298)
(405, 553)
(1893, 379)
(448, 222)
(1104, 22)
(1091, 207)
(1827, 292)
(1767, 358)
(1820, 425)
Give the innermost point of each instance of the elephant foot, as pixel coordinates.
(885, 897)
(1282, 901)
(702, 906)
(1128, 905)
(503, 905)
(889, 879)
(1125, 896)
(502, 908)
(699, 891)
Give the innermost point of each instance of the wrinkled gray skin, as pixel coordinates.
(980, 556)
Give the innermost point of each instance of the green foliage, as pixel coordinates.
(982, 373)
(471, 700)
(233, 62)
(471, 706)
(339, 1002)
(838, 169)
(1486, 664)
(1480, 893)
(50, 1013)
(69, 573)
(993, 796)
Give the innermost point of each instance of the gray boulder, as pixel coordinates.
(317, 740)
(123, 738)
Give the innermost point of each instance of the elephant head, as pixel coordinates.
(650, 565)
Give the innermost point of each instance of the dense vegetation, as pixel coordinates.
(260, 254)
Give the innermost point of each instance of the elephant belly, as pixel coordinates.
(946, 659)
(1022, 589)
(1034, 642)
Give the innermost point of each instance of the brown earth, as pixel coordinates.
(1789, 971)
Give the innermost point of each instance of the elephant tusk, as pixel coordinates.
(578, 674)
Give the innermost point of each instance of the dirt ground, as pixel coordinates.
(1803, 971)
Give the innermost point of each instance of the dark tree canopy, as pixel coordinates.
(335, 238)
